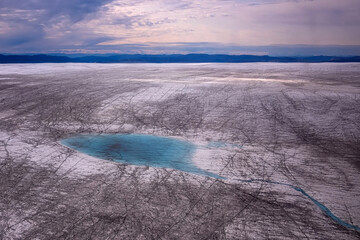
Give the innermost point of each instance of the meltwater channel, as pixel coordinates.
(154, 151)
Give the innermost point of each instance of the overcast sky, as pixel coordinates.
(181, 26)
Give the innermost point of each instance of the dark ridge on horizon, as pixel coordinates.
(170, 58)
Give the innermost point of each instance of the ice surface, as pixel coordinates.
(295, 124)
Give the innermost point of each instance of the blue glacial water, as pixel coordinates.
(145, 150)
(220, 144)
(154, 151)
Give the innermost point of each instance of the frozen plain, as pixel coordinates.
(296, 123)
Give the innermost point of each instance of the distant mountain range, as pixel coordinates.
(174, 58)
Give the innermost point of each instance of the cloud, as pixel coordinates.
(21, 32)
(34, 23)
(150, 26)
(319, 12)
(73, 9)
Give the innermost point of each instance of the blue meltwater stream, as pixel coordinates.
(154, 151)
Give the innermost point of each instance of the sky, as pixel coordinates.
(261, 27)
